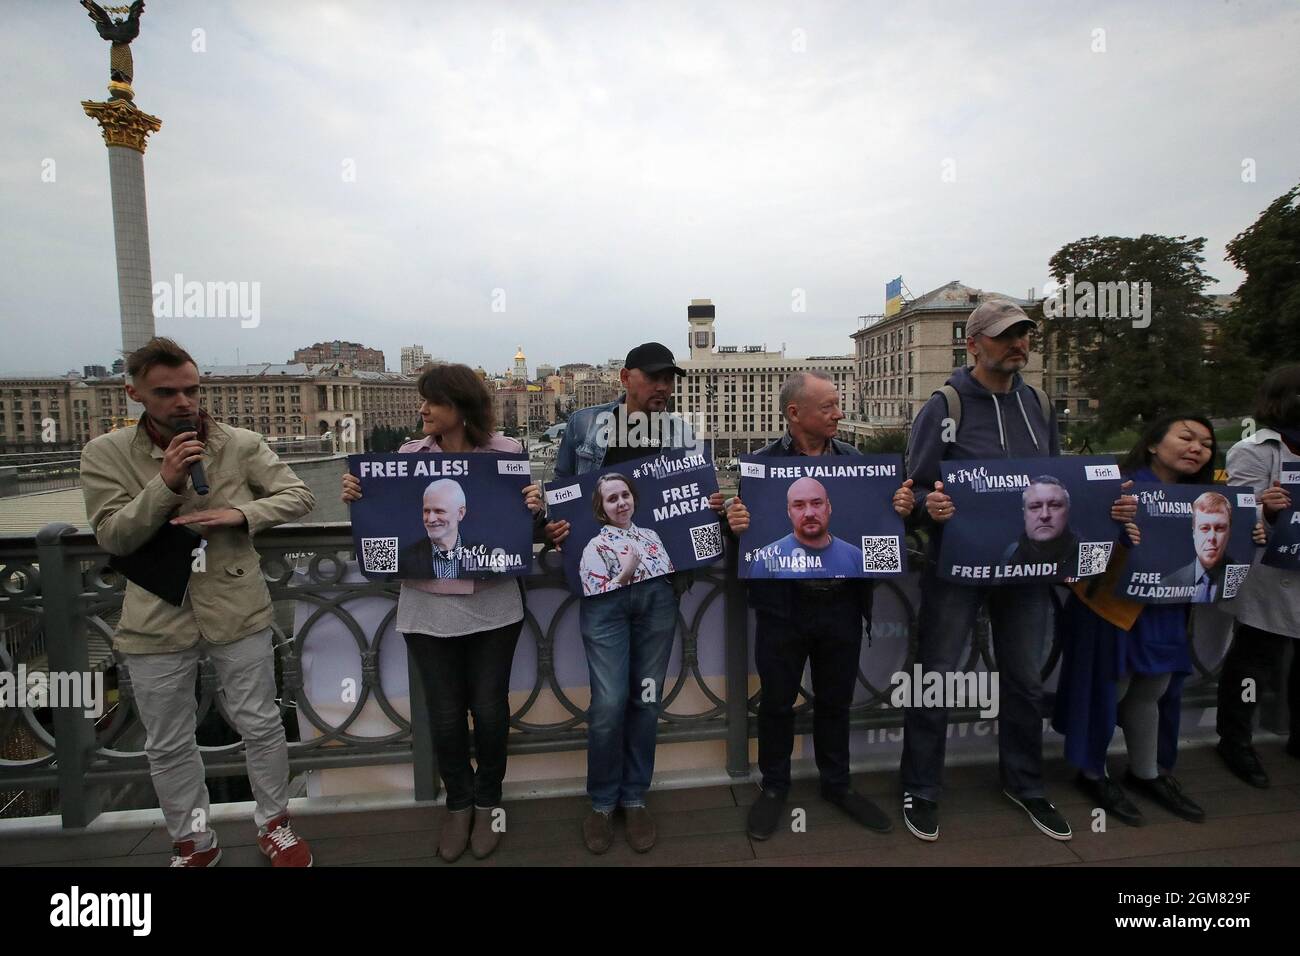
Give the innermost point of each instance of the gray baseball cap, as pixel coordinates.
(994, 316)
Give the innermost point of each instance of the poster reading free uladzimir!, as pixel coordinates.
(1028, 519)
(1196, 543)
(442, 515)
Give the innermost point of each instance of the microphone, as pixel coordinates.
(197, 478)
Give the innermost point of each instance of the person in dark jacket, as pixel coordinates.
(985, 411)
(802, 619)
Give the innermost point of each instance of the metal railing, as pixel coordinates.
(59, 581)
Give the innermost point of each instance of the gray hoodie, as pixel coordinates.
(992, 426)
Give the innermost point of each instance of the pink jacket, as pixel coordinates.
(497, 442)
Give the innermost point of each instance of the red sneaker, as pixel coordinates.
(184, 854)
(278, 842)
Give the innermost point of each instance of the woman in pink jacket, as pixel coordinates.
(462, 633)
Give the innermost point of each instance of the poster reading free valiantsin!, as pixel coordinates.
(829, 516)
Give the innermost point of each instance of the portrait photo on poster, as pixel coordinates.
(1028, 519)
(442, 515)
(1283, 549)
(637, 520)
(1196, 543)
(831, 516)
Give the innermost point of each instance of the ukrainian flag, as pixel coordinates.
(893, 295)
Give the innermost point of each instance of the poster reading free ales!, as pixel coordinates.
(442, 515)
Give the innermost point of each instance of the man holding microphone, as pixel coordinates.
(136, 481)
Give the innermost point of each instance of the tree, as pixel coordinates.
(886, 442)
(1266, 317)
(1144, 364)
(385, 439)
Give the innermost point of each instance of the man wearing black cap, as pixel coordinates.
(628, 632)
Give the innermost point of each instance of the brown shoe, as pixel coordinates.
(597, 831)
(640, 828)
(455, 834)
(485, 837)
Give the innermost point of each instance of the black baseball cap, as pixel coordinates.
(652, 358)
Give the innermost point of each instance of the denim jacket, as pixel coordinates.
(586, 439)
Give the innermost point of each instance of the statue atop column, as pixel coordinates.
(120, 33)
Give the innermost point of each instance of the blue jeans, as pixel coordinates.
(1018, 617)
(628, 634)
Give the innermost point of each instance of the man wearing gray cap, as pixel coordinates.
(985, 411)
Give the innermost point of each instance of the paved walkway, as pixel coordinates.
(706, 826)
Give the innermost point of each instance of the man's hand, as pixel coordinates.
(556, 532)
(184, 450)
(716, 501)
(1134, 533)
(938, 505)
(351, 488)
(211, 519)
(904, 500)
(1125, 508)
(1275, 500)
(533, 498)
(737, 516)
(1259, 534)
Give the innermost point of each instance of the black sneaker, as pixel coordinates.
(1111, 798)
(1044, 815)
(1244, 762)
(921, 816)
(861, 810)
(1166, 792)
(765, 814)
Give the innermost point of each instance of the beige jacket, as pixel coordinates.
(127, 503)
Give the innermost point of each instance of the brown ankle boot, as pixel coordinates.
(485, 837)
(455, 834)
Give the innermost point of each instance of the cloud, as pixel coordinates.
(605, 164)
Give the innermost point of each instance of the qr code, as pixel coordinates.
(881, 553)
(707, 541)
(1232, 578)
(1093, 557)
(379, 555)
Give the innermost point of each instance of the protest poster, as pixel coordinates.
(1284, 534)
(1028, 519)
(442, 515)
(829, 516)
(1196, 543)
(637, 520)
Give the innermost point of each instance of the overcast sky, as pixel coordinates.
(603, 164)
